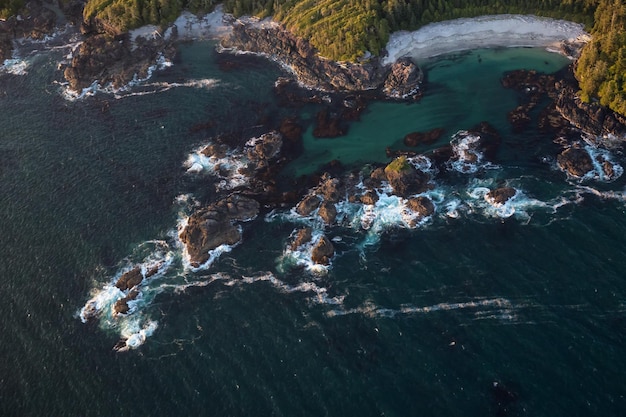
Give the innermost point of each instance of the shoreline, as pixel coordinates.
(434, 39)
(490, 31)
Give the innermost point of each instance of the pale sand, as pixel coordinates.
(483, 32)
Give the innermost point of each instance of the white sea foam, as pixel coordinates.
(467, 157)
(214, 254)
(301, 257)
(15, 66)
(320, 293)
(228, 168)
(481, 306)
(121, 92)
(482, 32)
(599, 157)
(134, 334)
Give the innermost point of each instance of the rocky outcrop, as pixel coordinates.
(328, 212)
(112, 59)
(405, 179)
(499, 196)
(130, 279)
(308, 204)
(262, 150)
(323, 251)
(567, 109)
(404, 80)
(575, 161)
(35, 20)
(421, 205)
(215, 225)
(302, 237)
(121, 306)
(591, 118)
(400, 81)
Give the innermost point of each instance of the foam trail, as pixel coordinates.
(321, 294)
(482, 305)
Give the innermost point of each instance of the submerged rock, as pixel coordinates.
(323, 251)
(214, 226)
(423, 138)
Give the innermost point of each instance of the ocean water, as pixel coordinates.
(478, 311)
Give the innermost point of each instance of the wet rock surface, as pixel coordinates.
(323, 251)
(575, 161)
(215, 225)
(500, 195)
(401, 80)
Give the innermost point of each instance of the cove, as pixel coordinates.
(461, 90)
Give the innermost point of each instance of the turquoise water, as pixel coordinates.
(463, 90)
(419, 322)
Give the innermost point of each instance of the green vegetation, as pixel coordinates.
(601, 69)
(345, 29)
(398, 165)
(10, 7)
(123, 15)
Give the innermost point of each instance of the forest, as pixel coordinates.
(601, 69)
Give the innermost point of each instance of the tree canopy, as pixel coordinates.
(601, 69)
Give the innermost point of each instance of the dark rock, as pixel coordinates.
(421, 205)
(329, 188)
(322, 74)
(423, 138)
(370, 197)
(575, 161)
(323, 251)
(404, 79)
(520, 118)
(121, 306)
(291, 130)
(499, 196)
(111, 59)
(404, 178)
(129, 279)
(308, 204)
(214, 225)
(328, 125)
(328, 212)
(216, 150)
(264, 149)
(302, 237)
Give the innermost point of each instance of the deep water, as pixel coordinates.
(475, 313)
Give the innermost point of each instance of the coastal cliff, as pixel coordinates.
(399, 81)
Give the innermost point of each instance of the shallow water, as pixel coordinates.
(404, 322)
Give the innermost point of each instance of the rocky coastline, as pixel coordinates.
(344, 88)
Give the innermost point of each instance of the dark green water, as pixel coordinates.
(418, 323)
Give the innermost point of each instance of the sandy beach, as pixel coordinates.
(434, 39)
(483, 32)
